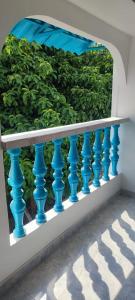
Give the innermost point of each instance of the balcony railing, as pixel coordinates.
(105, 161)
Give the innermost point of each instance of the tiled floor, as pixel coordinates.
(98, 262)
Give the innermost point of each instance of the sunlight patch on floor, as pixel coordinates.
(106, 275)
(123, 262)
(44, 297)
(103, 254)
(40, 296)
(125, 217)
(84, 278)
(60, 288)
(124, 235)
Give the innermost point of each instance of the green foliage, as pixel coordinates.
(43, 87)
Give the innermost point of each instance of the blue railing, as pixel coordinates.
(105, 154)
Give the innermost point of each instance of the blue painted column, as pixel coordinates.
(17, 204)
(40, 193)
(97, 148)
(86, 171)
(58, 184)
(106, 153)
(115, 143)
(73, 160)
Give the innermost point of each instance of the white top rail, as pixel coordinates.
(28, 138)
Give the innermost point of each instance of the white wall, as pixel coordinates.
(124, 105)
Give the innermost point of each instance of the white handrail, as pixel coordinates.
(28, 138)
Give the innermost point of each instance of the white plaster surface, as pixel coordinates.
(118, 13)
(124, 105)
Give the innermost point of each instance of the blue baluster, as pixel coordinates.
(40, 193)
(115, 143)
(17, 204)
(86, 171)
(97, 158)
(58, 185)
(106, 153)
(73, 177)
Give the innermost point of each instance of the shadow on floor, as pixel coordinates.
(97, 262)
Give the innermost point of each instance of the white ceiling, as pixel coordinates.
(118, 13)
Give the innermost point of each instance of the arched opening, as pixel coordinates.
(117, 51)
(47, 87)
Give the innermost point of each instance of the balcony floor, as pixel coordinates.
(97, 262)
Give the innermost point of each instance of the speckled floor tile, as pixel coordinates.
(97, 262)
